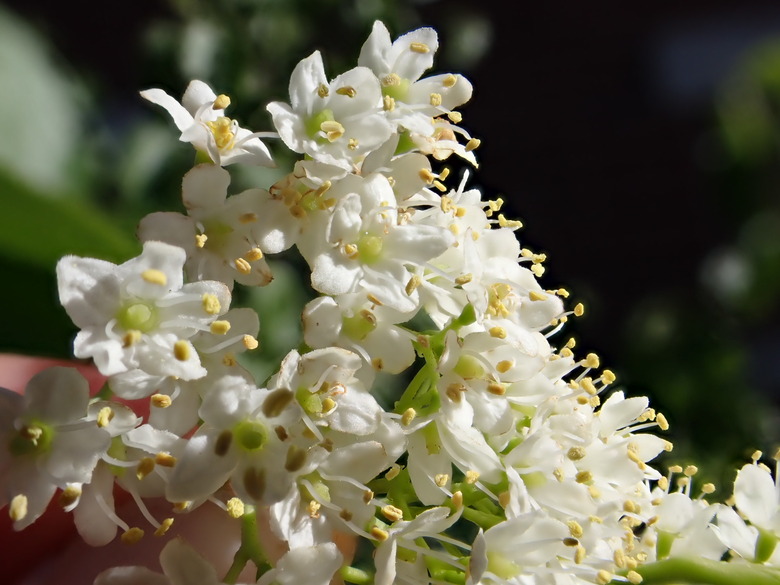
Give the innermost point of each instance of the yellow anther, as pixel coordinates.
(253, 255)
(756, 455)
(104, 416)
(587, 385)
(562, 292)
(70, 495)
(181, 350)
(347, 90)
(445, 172)
(579, 554)
(538, 270)
(472, 476)
(497, 332)
(368, 495)
(248, 217)
(691, 470)
(249, 342)
(579, 310)
(161, 400)
(567, 353)
(558, 474)
(379, 534)
(132, 535)
(464, 279)
(220, 327)
(144, 468)
(328, 404)
(419, 48)
(634, 578)
(454, 391)
(591, 361)
(352, 144)
(457, 500)
(211, 304)
(388, 103)
(221, 102)
(242, 266)
(630, 507)
(443, 188)
(200, 240)
(163, 527)
(620, 558)
(608, 377)
(472, 144)
(412, 285)
(427, 176)
(313, 509)
(594, 401)
(683, 481)
(165, 459)
(582, 400)
(222, 129)
(351, 250)
(393, 472)
(575, 453)
(455, 117)
(435, 99)
(575, 529)
(131, 337)
(154, 276)
(323, 91)
(332, 129)
(583, 477)
(441, 479)
(708, 488)
(449, 81)
(408, 416)
(182, 506)
(603, 577)
(510, 223)
(496, 389)
(536, 296)
(392, 513)
(391, 80)
(504, 499)
(504, 366)
(539, 258)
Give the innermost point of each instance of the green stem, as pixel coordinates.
(705, 571)
(250, 549)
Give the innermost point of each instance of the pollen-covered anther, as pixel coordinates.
(368, 495)
(575, 528)
(104, 416)
(579, 554)
(353, 144)
(449, 81)
(154, 276)
(164, 459)
(496, 388)
(558, 474)
(160, 400)
(588, 386)
(583, 477)
(393, 472)
(497, 332)
(332, 129)
(249, 342)
(631, 507)
(634, 578)
(442, 187)
(221, 102)
(408, 416)
(691, 470)
(454, 391)
(472, 476)
(428, 177)
(145, 467)
(536, 296)
(441, 479)
(164, 526)
(608, 377)
(235, 507)
(472, 144)
(662, 422)
(347, 90)
(603, 577)
(579, 310)
(537, 269)
(180, 507)
(435, 99)
(132, 535)
(313, 509)
(379, 534)
(708, 488)
(254, 255)
(200, 240)
(513, 224)
(220, 327)
(211, 304)
(378, 364)
(620, 558)
(345, 515)
(575, 453)
(504, 366)
(350, 250)
(181, 350)
(388, 103)
(418, 47)
(392, 513)
(591, 361)
(243, 266)
(412, 285)
(70, 495)
(464, 279)
(504, 499)
(131, 337)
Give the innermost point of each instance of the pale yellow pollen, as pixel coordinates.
(368, 495)
(165, 525)
(663, 483)
(249, 342)
(512, 224)
(222, 129)
(457, 500)
(562, 292)
(347, 90)
(412, 285)
(538, 270)
(393, 472)
(352, 144)
(603, 577)
(677, 468)
(441, 479)
(504, 366)
(587, 385)
(165, 459)
(323, 90)
(211, 304)
(683, 481)
(70, 495)
(454, 229)
(427, 176)
(575, 453)
(351, 250)
(235, 507)
(249, 217)
(392, 513)
(579, 310)
(583, 477)
(575, 529)
(608, 377)
(472, 476)
(200, 240)
(464, 279)
(536, 296)
(332, 129)
(161, 400)
(442, 187)
(388, 103)
(419, 48)
(708, 488)
(379, 534)
(496, 389)
(182, 506)
(449, 81)
(497, 332)
(594, 401)
(243, 266)
(132, 536)
(131, 337)
(634, 578)
(472, 144)
(104, 416)
(582, 400)
(220, 327)
(558, 474)
(154, 276)
(455, 117)
(145, 467)
(591, 361)
(391, 79)
(221, 102)
(181, 350)
(579, 554)
(435, 99)
(313, 509)
(630, 506)
(620, 558)
(328, 404)
(445, 172)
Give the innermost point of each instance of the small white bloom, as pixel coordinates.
(200, 117)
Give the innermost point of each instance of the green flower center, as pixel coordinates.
(358, 326)
(314, 124)
(369, 248)
(250, 435)
(137, 316)
(33, 438)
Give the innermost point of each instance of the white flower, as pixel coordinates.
(200, 117)
(336, 122)
(312, 565)
(139, 314)
(220, 234)
(47, 442)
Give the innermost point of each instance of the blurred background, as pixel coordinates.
(639, 144)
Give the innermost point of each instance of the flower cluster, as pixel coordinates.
(506, 459)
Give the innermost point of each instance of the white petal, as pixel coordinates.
(755, 495)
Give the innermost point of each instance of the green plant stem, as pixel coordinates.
(705, 571)
(250, 549)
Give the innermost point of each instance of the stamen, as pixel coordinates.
(18, 508)
(154, 276)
